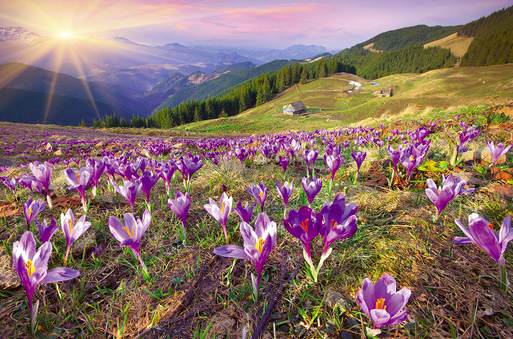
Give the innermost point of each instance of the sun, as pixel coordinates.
(65, 35)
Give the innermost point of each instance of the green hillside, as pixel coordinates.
(408, 36)
(29, 107)
(415, 95)
(213, 87)
(493, 39)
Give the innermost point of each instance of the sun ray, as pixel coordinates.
(80, 71)
(57, 64)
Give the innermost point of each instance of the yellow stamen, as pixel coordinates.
(70, 225)
(438, 190)
(380, 304)
(78, 177)
(261, 195)
(30, 212)
(333, 224)
(222, 208)
(128, 231)
(304, 225)
(260, 245)
(412, 157)
(30, 267)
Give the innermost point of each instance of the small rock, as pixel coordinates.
(100, 144)
(87, 240)
(505, 190)
(335, 298)
(223, 324)
(58, 152)
(179, 145)
(50, 146)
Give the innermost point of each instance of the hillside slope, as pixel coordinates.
(458, 45)
(330, 105)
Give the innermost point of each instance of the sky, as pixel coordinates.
(335, 24)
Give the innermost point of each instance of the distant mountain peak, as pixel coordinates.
(123, 40)
(19, 36)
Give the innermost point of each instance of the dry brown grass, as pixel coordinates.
(458, 46)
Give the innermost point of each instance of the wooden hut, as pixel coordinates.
(295, 108)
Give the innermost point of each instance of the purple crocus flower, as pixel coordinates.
(395, 155)
(180, 207)
(166, 173)
(382, 303)
(188, 167)
(46, 232)
(96, 168)
(9, 183)
(32, 268)
(481, 233)
(410, 161)
(309, 157)
(31, 209)
(358, 157)
(245, 213)
(30, 183)
(311, 188)
(497, 151)
(284, 162)
(259, 193)
(129, 191)
(333, 162)
(285, 193)
(440, 196)
(72, 230)
(258, 244)
(79, 182)
(305, 225)
(458, 183)
(220, 213)
(131, 233)
(43, 174)
(148, 180)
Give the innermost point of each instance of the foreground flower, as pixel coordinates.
(497, 151)
(31, 209)
(79, 181)
(46, 232)
(43, 174)
(441, 196)
(245, 213)
(72, 230)
(221, 212)
(358, 158)
(129, 191)
(131, 233)
(338, 222)
(259, 193)
(32, 268)
(481, 233)
(304, 224)
(311, 188)
(382, 303)
(258, 244)
(180, 207)
(285, 192)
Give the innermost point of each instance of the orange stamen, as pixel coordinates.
(303, 226)
(491, 226)
(78, 177)
(30, 267)
(380, 304)
(128, 231)
(333, 224)
(260, 245)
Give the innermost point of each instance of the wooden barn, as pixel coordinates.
(295, 108)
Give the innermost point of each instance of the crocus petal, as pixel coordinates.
(379, 317)
(505, 234)
(231, 251)
(397, 318)
(385, 287)
(60, 274)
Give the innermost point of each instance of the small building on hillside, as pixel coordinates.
(386, 92)
(295, 108)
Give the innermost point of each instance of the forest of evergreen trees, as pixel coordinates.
(493, 39)
(410, 59)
